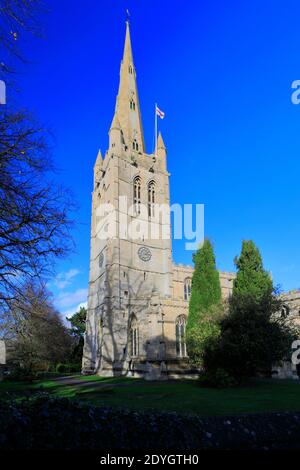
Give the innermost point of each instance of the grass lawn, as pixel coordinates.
(181, 396)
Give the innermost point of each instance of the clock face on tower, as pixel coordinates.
(144, 253)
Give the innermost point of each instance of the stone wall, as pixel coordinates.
(291, 310)
(2, 352)
(292, 300)
(181, 272)
(2, 358)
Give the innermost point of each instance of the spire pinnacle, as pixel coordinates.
(98, 161)
(127, 111)
(161, 151)
(160, 142)
(115, 123)
(127, 55)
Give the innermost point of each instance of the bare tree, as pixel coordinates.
(34, 221)
(38, 337)
(17, 17)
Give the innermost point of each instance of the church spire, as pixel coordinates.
(127, 47)
(127, 111)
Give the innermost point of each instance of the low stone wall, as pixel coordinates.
(2, 358)
(285, 370)
(36, 424)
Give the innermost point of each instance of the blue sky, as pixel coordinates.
(222, 72)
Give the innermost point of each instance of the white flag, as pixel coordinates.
(160, 113)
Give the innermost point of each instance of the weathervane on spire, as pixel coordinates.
(127, 15)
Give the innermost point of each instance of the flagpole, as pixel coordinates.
(155, 131)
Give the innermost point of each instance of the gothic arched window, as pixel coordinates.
(151, 198)
(187, 288)
(133, 337)
(130, 69)
(180, 327)
(122, 138)
(135, 145)
(132, 105)
(137, 194)
(285, 311)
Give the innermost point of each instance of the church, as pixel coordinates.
(138, 297)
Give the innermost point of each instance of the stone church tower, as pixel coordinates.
(138, 298)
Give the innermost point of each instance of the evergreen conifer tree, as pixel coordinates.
(205, 302)
(253, 334)
(252, 281)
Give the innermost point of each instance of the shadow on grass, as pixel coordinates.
(186, 397)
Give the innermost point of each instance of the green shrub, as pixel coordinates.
(252, 338)
(75, 368)
(217, 379)
(201, 334)
(68, 368)
(60, 368)
(46, 375)
(21, 374)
